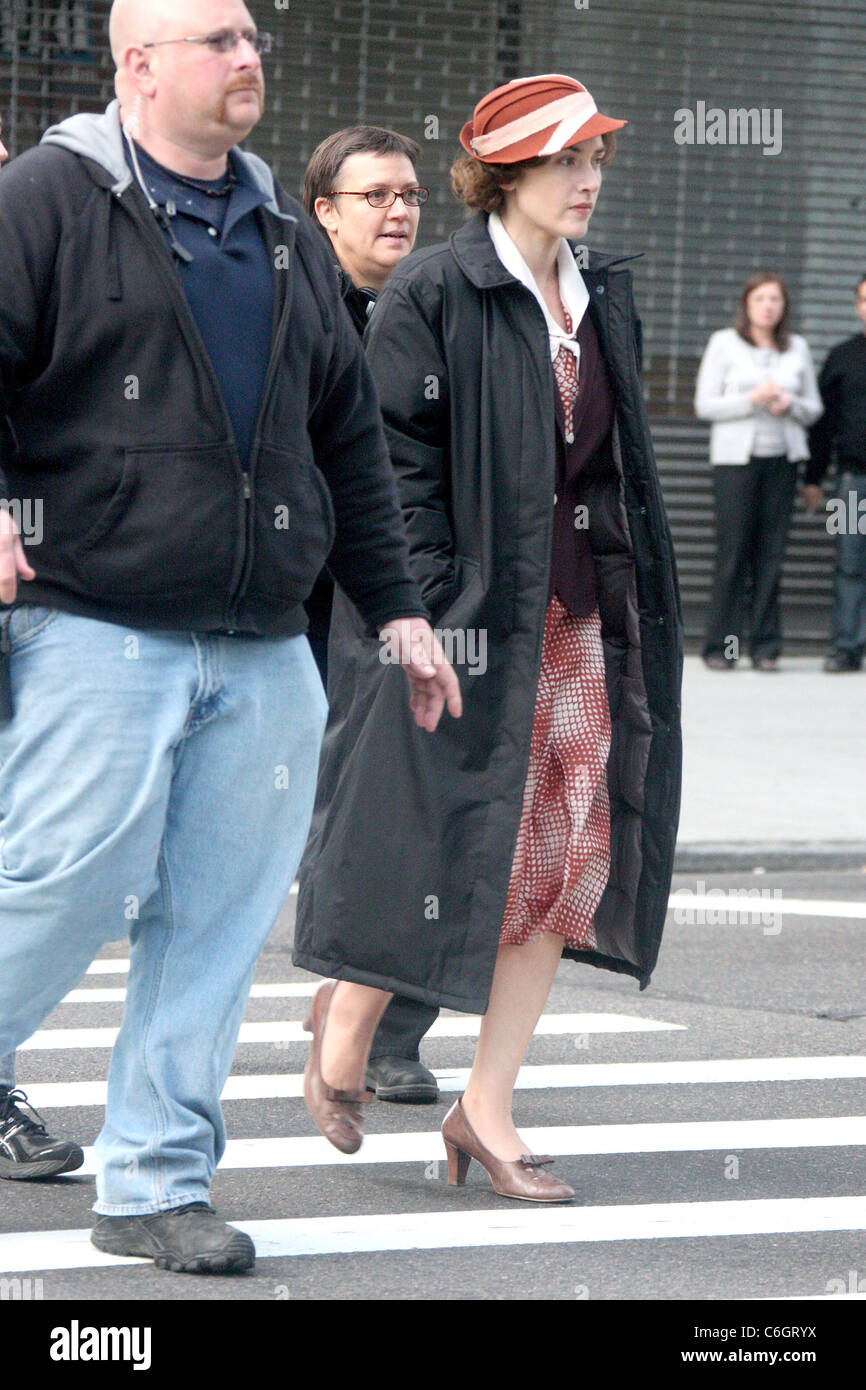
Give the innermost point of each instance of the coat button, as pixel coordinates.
(661, 620)
(555, 499)
(599, 289)
(212, 231)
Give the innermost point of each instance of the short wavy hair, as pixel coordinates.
(479, 185)
(329, 157)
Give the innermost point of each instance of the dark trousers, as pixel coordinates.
(403, 1025)
(849, 607)
(754, 502)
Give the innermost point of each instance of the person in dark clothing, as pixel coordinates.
(370, 230)
(543, 822)
(27, 1150)
(367, 237)
(162, 712)
(841, 431)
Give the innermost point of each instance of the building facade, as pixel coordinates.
(743, 152)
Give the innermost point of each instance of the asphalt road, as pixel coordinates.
(746, 1187)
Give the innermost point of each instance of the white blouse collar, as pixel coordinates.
(572, 290)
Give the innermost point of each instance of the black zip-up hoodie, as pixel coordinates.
(115, 424)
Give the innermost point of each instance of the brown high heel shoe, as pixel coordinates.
(524, 1178)
(337, 1114)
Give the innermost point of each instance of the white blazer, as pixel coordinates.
(729, 370)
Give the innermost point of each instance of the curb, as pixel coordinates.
(770, 855)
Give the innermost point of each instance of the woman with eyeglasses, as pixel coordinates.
(542, 823)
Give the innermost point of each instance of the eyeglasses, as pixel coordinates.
(386, 197)
(223, 41)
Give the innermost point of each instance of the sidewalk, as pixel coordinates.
(774, 767)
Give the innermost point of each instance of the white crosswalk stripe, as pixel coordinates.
(117, 995)
(674, 1137)
(722, 1071)
(332, 1235)
(468, 1225)
(463, 1026)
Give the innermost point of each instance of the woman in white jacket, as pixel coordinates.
(757, 385)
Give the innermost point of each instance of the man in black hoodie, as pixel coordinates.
(842, 429)
(27, 1150)
(361, 187)
(186, 408)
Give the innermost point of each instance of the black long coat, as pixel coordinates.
(406, 871)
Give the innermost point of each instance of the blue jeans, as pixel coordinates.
(849, 607)
(160, 786)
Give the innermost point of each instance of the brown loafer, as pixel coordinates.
(524, 1178)
(336, 1114)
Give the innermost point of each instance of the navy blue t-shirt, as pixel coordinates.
(228, 284)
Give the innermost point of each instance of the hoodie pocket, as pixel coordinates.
(294, 526)
(172, 523)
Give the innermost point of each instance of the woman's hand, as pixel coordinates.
(432, 682)
(766, 392)
(813, 496)
(780, 403)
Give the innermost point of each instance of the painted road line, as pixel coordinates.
(737, 902)
(118, 966)
(284, 1031)
(290, 1085)
(692, 1136)
(94, 996)
(465, 1228)
(118, 995)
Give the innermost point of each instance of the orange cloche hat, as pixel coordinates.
(533, 116)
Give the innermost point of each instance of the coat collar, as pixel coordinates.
(476, 255)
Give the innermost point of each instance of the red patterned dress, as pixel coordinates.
(562, 857)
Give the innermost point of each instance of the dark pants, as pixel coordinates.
(403, 1025)
(754, 502)
(849, 607)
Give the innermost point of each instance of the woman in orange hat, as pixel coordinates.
(460, 869)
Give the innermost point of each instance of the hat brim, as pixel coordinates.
(531, 147)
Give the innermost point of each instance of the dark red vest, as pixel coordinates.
(572, 571)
